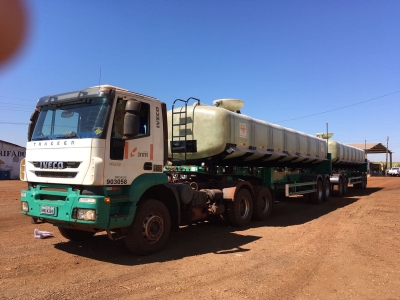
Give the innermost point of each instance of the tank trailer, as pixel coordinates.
(108, 159)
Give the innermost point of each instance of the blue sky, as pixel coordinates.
(299, 64)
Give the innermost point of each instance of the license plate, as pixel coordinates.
(47, 210)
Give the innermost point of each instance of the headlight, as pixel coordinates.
(24, 206)
(86, 214)
(87, 200)
(23, 194)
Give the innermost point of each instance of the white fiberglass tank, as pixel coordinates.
(224, 133)
(344, 154)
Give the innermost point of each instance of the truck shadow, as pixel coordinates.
(210, 237)
(297, 211)
(199, 239)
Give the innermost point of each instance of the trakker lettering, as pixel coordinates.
(58, 143)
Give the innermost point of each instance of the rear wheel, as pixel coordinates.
(364, 182)
(240, 210)
(327, 190)
(150, 228)
(317, 196)
(345, 186)
(263, 204)
(75, 235)
(339, 191)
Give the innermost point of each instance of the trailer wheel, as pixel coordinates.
(340, 188)
(345, 186)
(364, 182)
(150, 228)
(263, 204)
(240, 210)
(327, 190)
(317, 196)
(75, 235)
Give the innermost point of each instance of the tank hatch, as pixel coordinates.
(229, 104)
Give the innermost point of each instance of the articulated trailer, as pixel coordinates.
(107, 159)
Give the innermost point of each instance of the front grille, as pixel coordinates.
(49, 174)
(65, 164)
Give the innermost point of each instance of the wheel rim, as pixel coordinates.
(244, 207)
(153, 228)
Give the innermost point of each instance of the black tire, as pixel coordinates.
(76, 235)
(327, 190)
(364, 182)
(150, 228)
(345, 186)
(34, 220)
(340, 188)
(318, 196)
(240, 210)
(263, 204)
(361, 185)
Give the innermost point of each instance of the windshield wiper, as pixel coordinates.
(42, 137)
(69, 135)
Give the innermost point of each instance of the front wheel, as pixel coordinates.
(240, 210)
(150, 228)
(75, 235)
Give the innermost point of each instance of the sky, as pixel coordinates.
(299, 64)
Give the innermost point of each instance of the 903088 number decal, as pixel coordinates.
(117, 181)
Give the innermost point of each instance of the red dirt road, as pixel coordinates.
(346, 248)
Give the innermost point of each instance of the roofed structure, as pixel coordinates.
(373, 148)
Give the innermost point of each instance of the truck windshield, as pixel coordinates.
(83, 119)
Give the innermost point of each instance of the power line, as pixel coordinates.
(16, 104)
(14, 123)
(324, 112)
(25, 99)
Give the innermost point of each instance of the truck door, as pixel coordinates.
(129, 158)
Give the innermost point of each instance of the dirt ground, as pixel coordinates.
(346, 248)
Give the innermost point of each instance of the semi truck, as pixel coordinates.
(105, 159)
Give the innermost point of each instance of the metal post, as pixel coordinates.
(327, 138)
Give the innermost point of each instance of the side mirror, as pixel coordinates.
(131, 119)
(131, 126)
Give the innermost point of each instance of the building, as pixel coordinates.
(10, 158)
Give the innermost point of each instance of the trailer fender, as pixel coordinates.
(229, 193)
